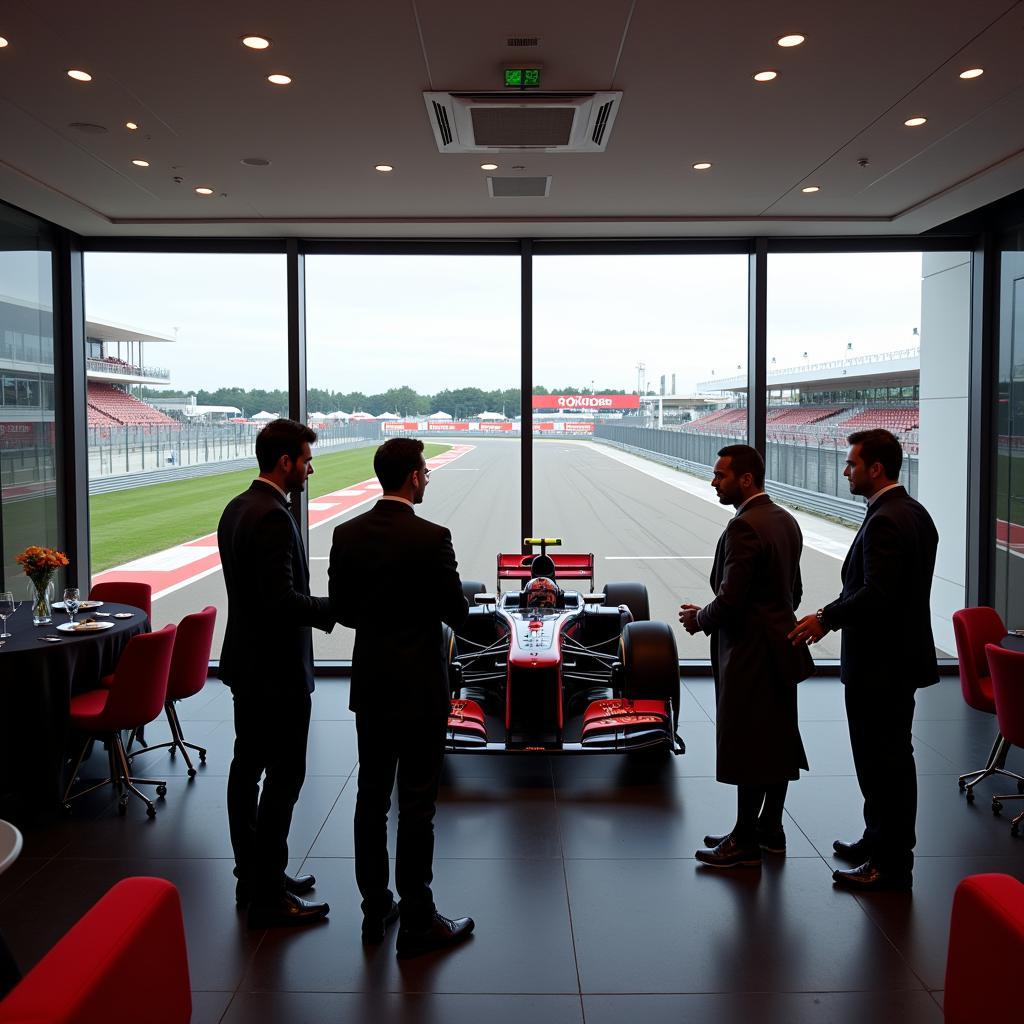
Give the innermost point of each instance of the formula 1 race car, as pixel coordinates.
(550, 670)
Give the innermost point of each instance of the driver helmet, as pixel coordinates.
(540, 593)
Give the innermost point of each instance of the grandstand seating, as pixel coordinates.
(899, 419)
(109, 406)
(802, 415)
(815, 423)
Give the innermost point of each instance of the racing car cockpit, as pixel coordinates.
(541, 594)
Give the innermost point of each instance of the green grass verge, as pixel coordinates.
(124, 525)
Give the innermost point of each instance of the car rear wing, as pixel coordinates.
(567, 567)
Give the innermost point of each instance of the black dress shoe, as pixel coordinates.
(869, 877)
(286, 911)
(375, 925)
(770, 840)
(297, 886)
(441, 933)
(730, 854)
(855, 853)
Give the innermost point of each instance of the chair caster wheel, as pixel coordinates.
(161, 790)
(1020, 786)
(1014, 830)
(67, 808)
(996, 806)
(191, 773)
(970, 796)
(173, 753)
(150, 811)
(122, 806)
(961, 785)
(202, 760)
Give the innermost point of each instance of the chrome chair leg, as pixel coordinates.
(130, 783)
(994, 766)
(176, 742)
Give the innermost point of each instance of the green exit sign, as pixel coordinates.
(522, 78)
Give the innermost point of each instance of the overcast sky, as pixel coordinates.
(434, 322)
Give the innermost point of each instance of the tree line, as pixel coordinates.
(458, 402)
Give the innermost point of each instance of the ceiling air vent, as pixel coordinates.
(523, 41)
(518, 188)
(548, 122)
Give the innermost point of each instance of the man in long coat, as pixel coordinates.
(756, 580)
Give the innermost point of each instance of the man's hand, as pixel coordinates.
(807, 631)
(688, 617)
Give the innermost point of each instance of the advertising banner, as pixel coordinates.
(588, 403)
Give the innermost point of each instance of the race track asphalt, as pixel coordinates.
(638, 526)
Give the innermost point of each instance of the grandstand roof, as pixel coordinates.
(107, 330)
(886, 369)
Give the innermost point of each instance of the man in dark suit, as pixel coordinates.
(887, 653)
(267, 660)
(394, 579)
(756, 580)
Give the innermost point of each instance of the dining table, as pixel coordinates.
(41, 668)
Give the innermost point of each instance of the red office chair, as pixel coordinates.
(131, 697)
(190, 665)
(138, 595)
(973, 628)
(127, 952)
(1008, 687)
(986, 947)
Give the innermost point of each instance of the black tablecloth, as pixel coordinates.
(37, 680)
(1013, 643)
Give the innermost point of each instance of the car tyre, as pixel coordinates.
(650, 664)
(632, 595)
(470, 588)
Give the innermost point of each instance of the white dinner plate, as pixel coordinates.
(84, 606)
(84, 627)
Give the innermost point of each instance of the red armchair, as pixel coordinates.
(128, 952)
(1008, 689)
(131, 697)
(986, 949)
(138, 595)
(973, 628)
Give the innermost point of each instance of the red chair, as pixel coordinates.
(127, 952)
(1008, 686)
(138, 595)
(190, 665)
(128, 699)
(986, 949)
(973, 628)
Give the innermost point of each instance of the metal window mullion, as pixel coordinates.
(295, 262)
(526, 390)
(757, 346)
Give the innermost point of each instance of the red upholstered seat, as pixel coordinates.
(1007, 669)
(138, 595)
(986, 949)
(125, 958)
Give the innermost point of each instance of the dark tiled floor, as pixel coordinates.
(579, 872)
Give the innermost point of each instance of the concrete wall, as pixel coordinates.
(942, 482)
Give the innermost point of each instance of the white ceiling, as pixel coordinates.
(360, 69)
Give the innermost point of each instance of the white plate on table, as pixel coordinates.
(84, 606)
(84, 627)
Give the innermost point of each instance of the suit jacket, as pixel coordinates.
(757, 585)
(268, 639)
(394, 579)
(884, 610)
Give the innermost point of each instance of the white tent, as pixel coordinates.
(361, 416)
(339, 415)
(490, 416)
(388, 416)
(264, 416)
(439, 416)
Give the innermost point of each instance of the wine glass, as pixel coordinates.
(7, 607)
(72, 599)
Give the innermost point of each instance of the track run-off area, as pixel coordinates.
(643, 521)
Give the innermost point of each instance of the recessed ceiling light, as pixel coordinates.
(702, 166)
(131, 126)
(141, 163)
(203, 190)
(793, 40)
(913, 122)
(488, 167)
(972, 73)
(765, 76)
(383, 168)
(255, 42)
(255, 161)
(279, 79)
(79, 76)
(3, 42)
(811, 188)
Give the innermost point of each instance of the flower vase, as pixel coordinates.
(41, 596)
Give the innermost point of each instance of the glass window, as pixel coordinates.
(425, 346)
(858, 341)
(193, 349)
(28, 498)
(639, 372)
